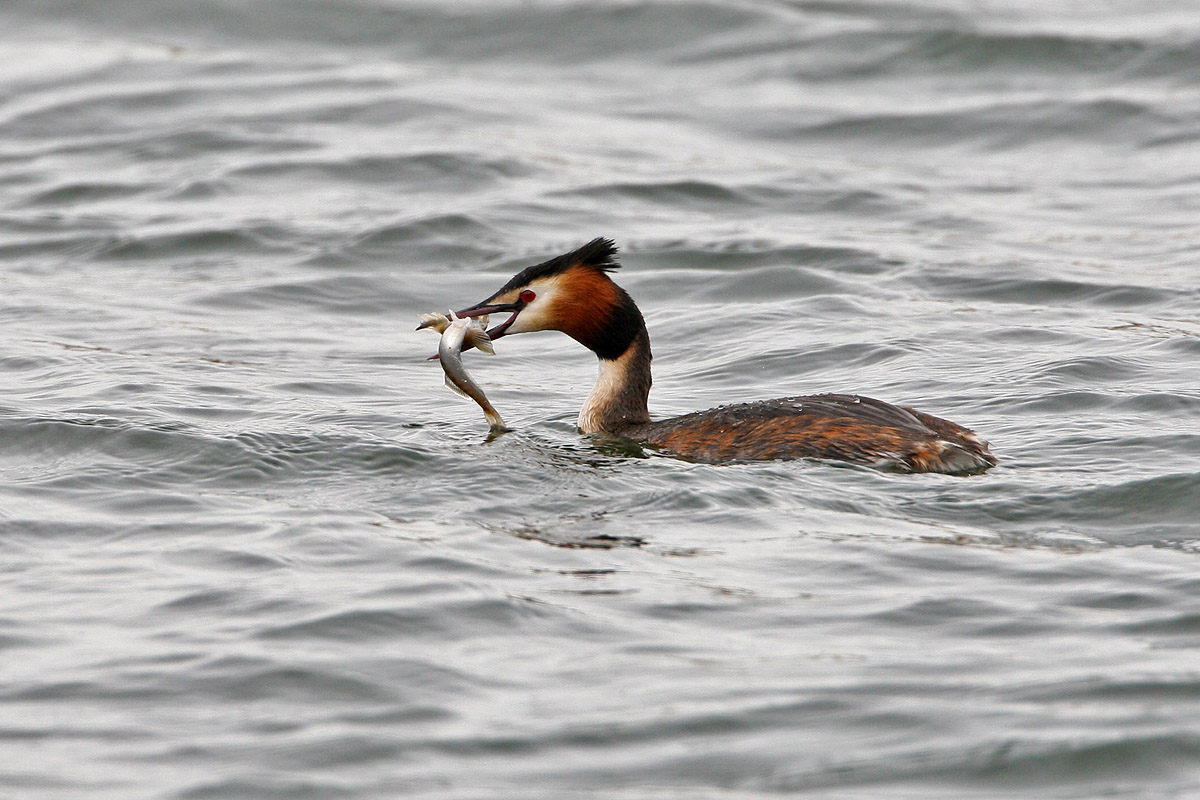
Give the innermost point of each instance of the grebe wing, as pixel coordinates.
(830, 426)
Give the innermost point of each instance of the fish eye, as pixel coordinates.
(527, 296)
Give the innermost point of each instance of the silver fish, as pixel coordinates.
(456, 332)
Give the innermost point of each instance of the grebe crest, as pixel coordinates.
(575, 294)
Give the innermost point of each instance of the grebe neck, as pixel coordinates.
(618, 400)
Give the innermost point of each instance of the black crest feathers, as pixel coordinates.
(598, 254)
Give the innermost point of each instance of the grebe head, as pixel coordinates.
(571, 293)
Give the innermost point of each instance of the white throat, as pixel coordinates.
(604, 394)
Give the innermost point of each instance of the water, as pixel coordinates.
(252, 548)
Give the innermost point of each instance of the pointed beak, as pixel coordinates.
(485, 308)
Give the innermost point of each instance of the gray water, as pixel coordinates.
(252, 548)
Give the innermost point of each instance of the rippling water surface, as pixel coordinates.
(252, 548)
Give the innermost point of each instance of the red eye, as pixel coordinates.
(527, 296)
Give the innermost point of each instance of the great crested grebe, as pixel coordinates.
(573, 293)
